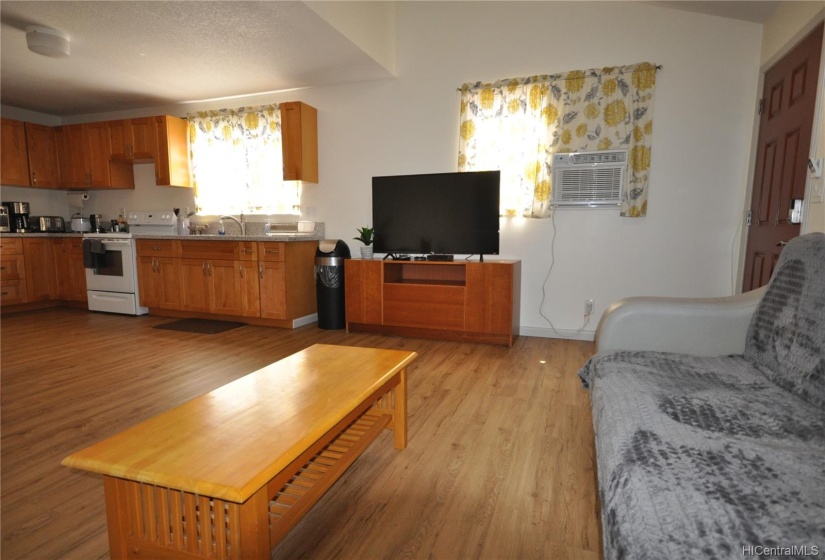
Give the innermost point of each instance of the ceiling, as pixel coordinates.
(137, 54)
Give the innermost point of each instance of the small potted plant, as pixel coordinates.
(365, 236)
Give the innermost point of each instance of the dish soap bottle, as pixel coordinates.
(221, 229)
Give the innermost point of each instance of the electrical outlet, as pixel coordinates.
(588, 307)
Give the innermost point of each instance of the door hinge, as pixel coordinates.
(748, 218)
(761, 105)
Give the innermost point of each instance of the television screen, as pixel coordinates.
(445, 213)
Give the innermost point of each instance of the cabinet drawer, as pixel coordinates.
(11, 246)
(156, 247)
(11, 269)
(229, 250)
(429, 307)
(248, 250)
(13, 293)
(270, 251)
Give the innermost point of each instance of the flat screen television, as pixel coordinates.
(442, 213)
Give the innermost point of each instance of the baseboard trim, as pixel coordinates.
(546, 332)
(305, 320)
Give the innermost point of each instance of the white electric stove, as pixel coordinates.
(111, 262)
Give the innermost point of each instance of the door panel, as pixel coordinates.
(780, 174)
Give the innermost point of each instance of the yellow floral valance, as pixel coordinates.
(517, 124)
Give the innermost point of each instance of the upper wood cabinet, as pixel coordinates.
(133, 139)
(14, 163)
(83, 154)
(299, 140)
(172, 158)
(42, 155)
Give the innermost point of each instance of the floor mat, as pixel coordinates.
(200, 326)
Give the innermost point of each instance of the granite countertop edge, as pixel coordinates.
(278, 237)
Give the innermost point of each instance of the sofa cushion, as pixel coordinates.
(786, 338)
(700, 457)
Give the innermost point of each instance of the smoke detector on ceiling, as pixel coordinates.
(47, 41)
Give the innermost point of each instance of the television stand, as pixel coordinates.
(440, 257)
(448, 300)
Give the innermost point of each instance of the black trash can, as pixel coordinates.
(329, 283)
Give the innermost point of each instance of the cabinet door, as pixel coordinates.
(273, 289)
(42, 150)
(14, 164)
(60, 254)
(225, 287)
(250, 288)
(77, 273)
(194, 285)
(144, 139)
(72, 156)
(159, 282)
(299, 141)
(40, 277)
(363, 287)
(172, 161)
(97, 145)
(120, 139)
(490, 297)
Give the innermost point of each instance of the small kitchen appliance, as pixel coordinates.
(4, 219)
(18, 216)
(96, 223)
(48, 224)
(80, 224)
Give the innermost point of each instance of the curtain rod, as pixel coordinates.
(657, 66)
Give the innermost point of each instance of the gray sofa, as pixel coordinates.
(710, 442)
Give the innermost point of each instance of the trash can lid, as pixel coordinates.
(332, 248)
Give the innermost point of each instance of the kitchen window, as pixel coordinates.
(237, 162)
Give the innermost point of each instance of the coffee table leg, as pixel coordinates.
(399, 414)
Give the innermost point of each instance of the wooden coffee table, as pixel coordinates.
(226, 475)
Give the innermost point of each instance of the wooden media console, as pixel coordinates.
(456, 300)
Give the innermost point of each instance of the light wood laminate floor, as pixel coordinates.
(500, 462)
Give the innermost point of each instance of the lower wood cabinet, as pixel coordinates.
(41, 281)
(12, 272)
(470, 301)
(271, 281)
(68, 264)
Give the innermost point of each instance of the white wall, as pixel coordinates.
(705, 99)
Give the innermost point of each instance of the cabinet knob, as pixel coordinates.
(261, 270)
(240, 270)
(34, 178)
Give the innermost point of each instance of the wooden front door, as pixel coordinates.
(785, 129)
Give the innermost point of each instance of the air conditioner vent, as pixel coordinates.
(589, 178)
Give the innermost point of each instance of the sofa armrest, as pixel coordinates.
(698, 326)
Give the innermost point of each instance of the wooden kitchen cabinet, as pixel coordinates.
(299, 141)
(159, 275)
(286, 272)
(12, 272)
(41, 284)
(68, 265)
(83, 152)
(364, 281)
(14, 162)
(41, 148)
(159, 282)
(211, 286)
(133, 139)
(172, 158)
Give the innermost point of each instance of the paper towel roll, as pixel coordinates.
(77, 199)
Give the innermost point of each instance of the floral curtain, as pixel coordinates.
(517, 124)
(237, 163)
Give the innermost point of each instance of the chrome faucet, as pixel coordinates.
(241, 222)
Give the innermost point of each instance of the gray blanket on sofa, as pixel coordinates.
(720, 457)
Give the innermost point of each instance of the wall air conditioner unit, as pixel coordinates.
(589, 178)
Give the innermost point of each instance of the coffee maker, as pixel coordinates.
(18, 216)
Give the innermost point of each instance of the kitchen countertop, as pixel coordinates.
(286, 237)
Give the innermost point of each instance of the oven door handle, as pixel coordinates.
(116, 242)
